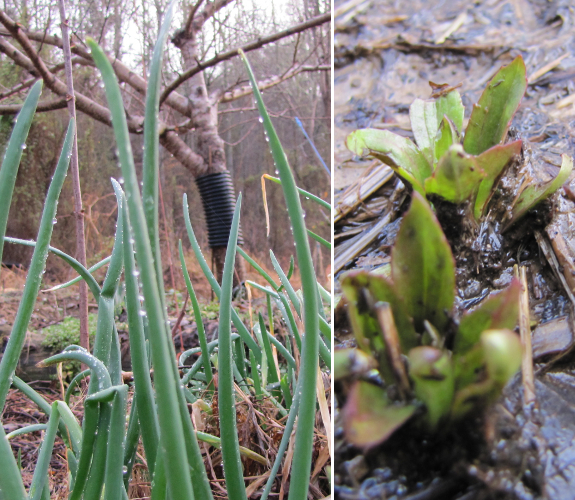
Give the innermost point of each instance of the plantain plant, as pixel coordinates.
(434, 370)
(461, 166)
(101, 451)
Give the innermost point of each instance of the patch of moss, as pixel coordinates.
(67, 332)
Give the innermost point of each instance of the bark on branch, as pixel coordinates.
(14, 109)
(30, 81)
(270, 82)
(256, 44)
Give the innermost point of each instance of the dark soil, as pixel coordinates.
(385, 56)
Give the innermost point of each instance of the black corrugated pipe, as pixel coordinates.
(219, 202)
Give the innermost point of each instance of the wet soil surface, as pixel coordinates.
(385, 54)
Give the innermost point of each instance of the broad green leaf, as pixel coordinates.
(427, 116)
(10, 479)
(422, 267)
(450, 106)
(370, 418)
(398, 152)
(492, 115)
(493, 161)
(446, 137)
(456, 177)
(499, 311)
(433, 379)
(484, 370)
(534, 194)
(424, 124)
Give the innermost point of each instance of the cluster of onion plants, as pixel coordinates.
(101, 450)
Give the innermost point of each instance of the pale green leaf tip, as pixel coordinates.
(355, 143)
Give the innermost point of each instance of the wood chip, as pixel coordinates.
(453, 27)
(525, 332)
(545, 69)
(375, 177)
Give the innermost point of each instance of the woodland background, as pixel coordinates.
(296, 69)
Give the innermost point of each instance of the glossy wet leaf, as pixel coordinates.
(446, 137)
(431, 371)
(483, 371)
(492, 115)
(499, 311)
(493, 161)
(456, 177)
(426, 117)
(424, 124)
(422, 266)
(400, 153)
(503, 353)
(450, 106)
(370, 418)
(534, 193)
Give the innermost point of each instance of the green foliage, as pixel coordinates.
(461, 172)
(448, 383)
(103, 448)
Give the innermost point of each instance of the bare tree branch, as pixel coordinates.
(124, 74)
(256, 44)
(270, 82)
(35, 65)
(14, 109)
(209, 10)
(17, 56)
(196, 163)
(30, 81)
(193, 11)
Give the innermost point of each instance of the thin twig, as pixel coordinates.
(256, 44)
(78, 210)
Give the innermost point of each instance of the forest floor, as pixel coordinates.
(386, 52)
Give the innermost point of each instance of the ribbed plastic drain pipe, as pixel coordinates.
(219, 202)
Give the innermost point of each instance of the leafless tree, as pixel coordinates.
(188, 102)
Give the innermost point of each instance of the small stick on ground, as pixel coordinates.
(525, 332)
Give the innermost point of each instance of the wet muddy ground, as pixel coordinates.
(385, 54)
